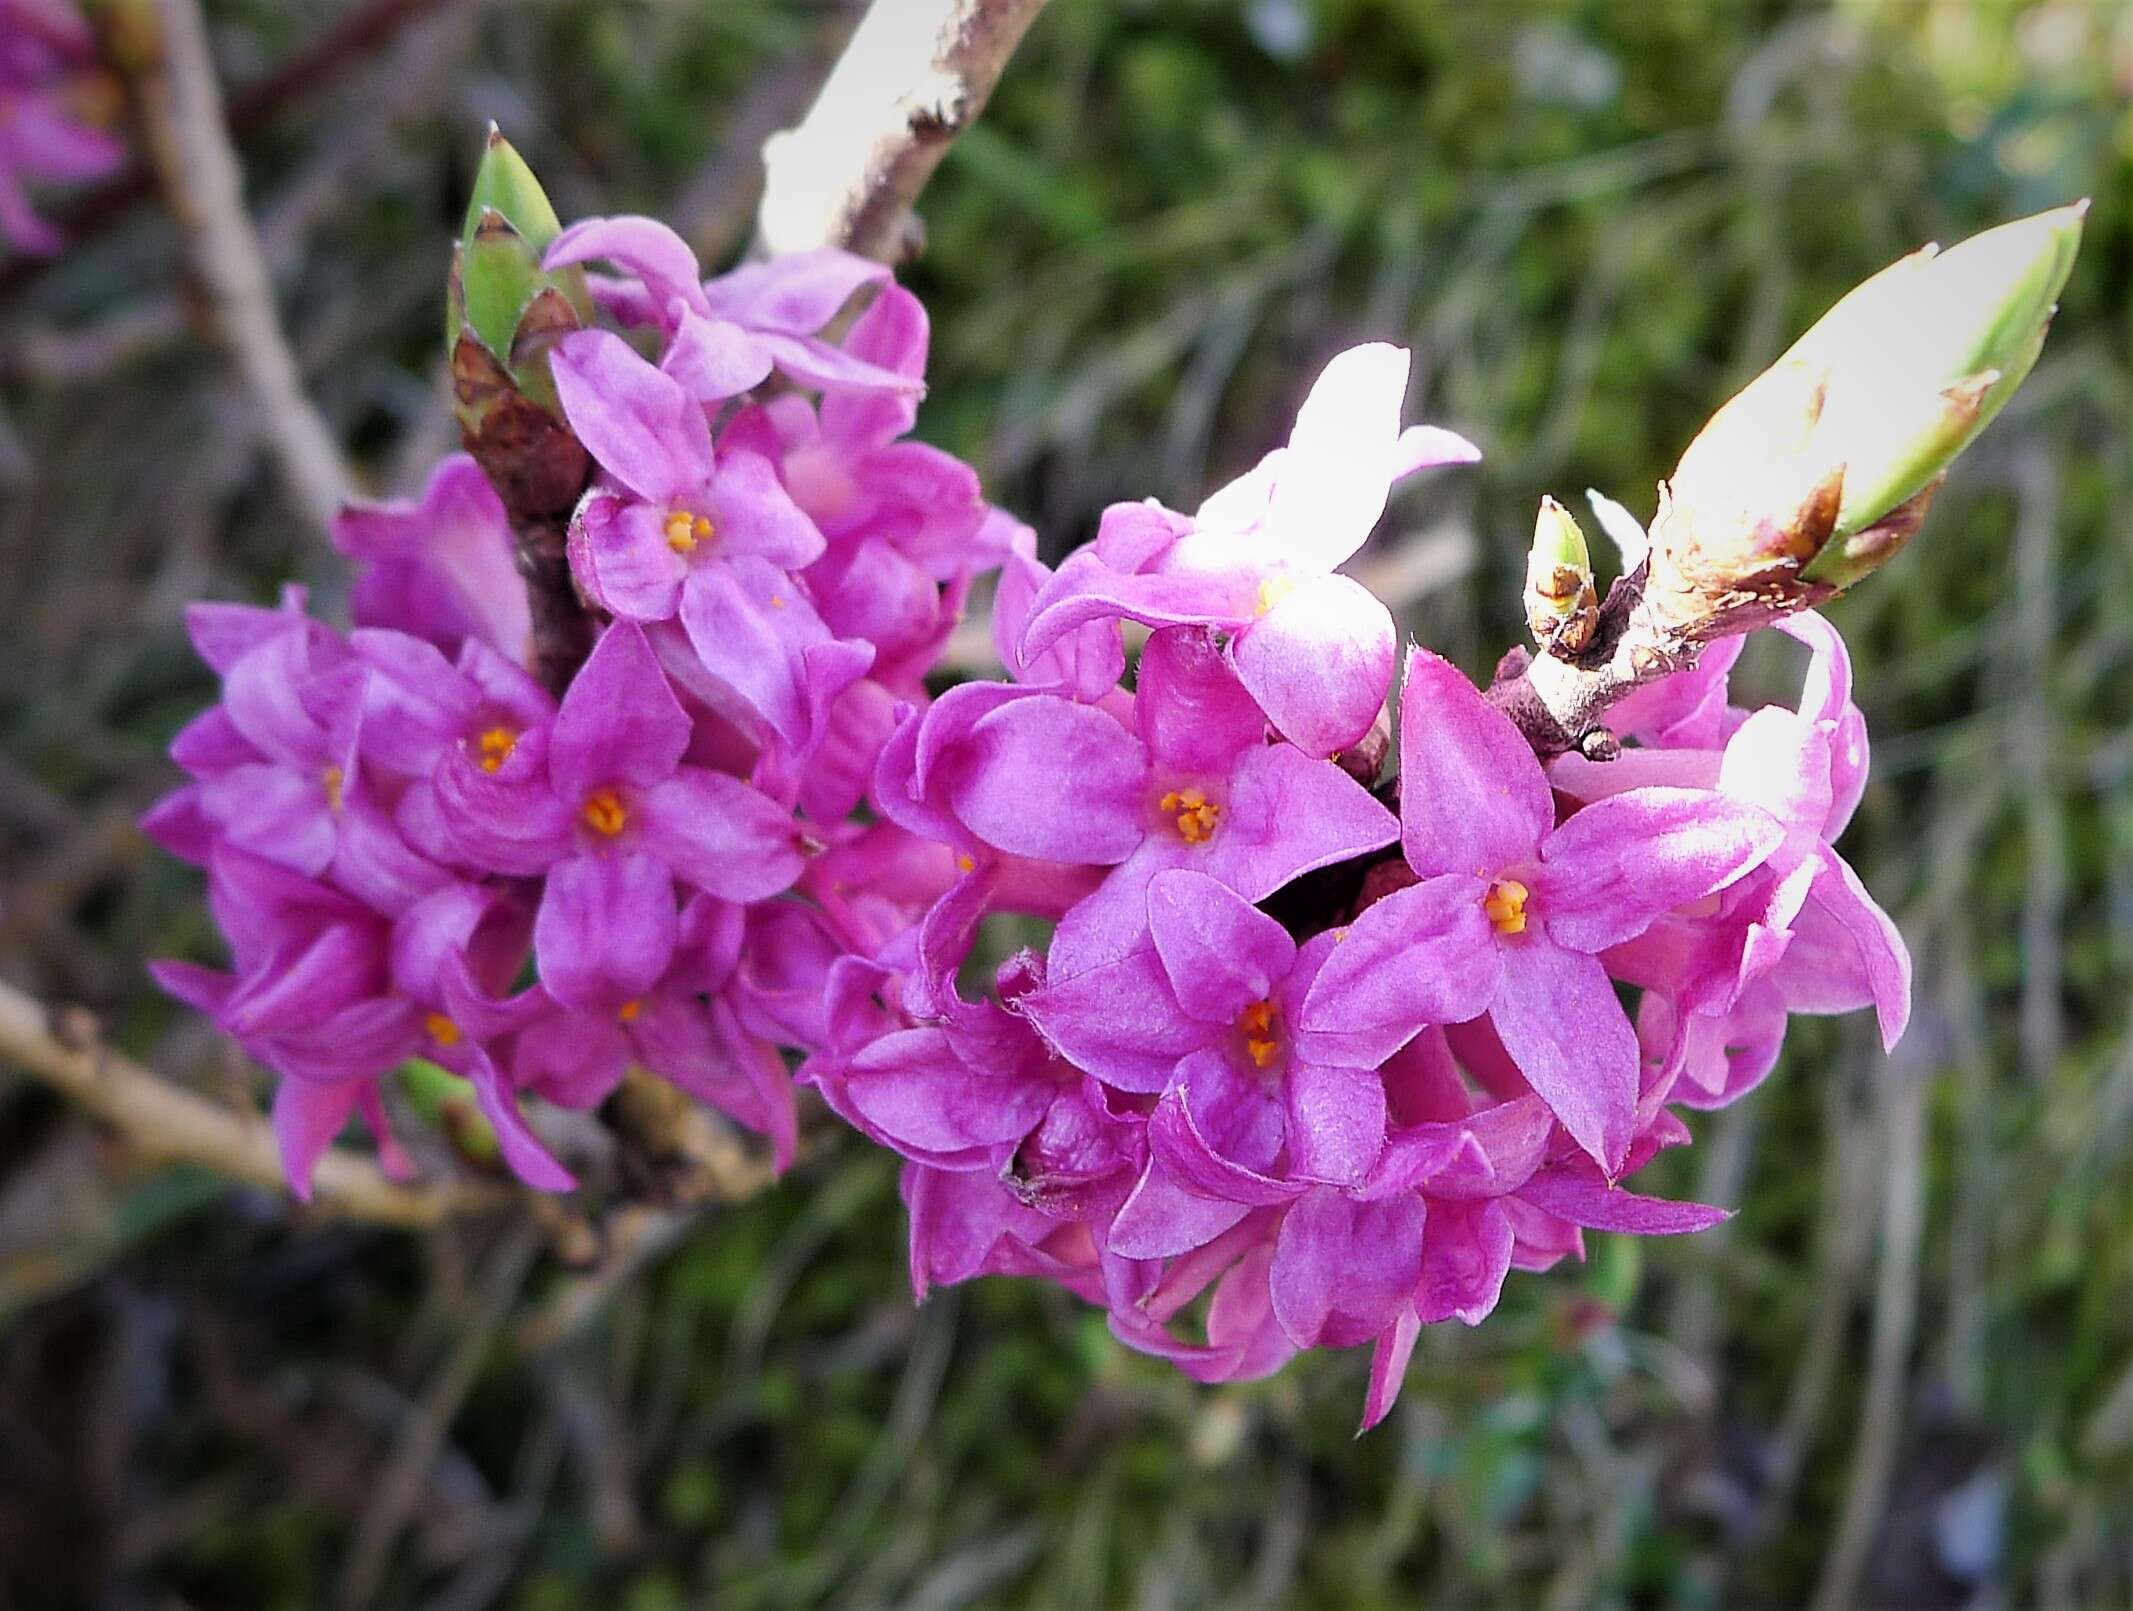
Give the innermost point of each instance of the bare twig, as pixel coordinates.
(716, 208)
(161, 1120)
(251, 109)
(189, 145)
(915, 75)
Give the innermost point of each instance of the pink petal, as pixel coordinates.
(893, 335)
(620, 723)
(1559, 1020)
(1846, 952)
(1084, 589)
(307, 1117)
(1118, 1021)
(1336, 1122)
(714, 359)
(1620, 863)
(606, 928)
(1220, 952)
(639, 246)
(1466, 1253)
(754, 514)
(1192, 712)
(914, 1089)
(1423, 955)
(1343, 1270)
(829, 368)
(646, 432)
(1161, 1219)
(1052, 779)
(719, 835)
(621, 557)
(1472, 797)
(1320, 662)
(751, 625)
(1583, 1199)
(522, 1149)
(1388, 1367)
(1285, 816)
(798, 293)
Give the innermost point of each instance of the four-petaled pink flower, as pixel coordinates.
(1512, 911)
(601, 806)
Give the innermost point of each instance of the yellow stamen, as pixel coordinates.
(335, 780)
(964, 864)
(686, 531)
(605, 812)
(442, 1030)
(1505, 904)
(1273, 590)
(1195, 816)
(629, 1010)
(1261, 1023)
(496, 745)
(777, 601)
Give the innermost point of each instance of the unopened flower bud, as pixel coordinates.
(1818, 471)
(504, 313)
(1561, 607)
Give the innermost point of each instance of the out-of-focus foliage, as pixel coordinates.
(1592, 221)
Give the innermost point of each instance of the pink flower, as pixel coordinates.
(1191, 783)
(600, 805)
(44, 45)
(439, 566)
(1511, 911)
(1258, 560)
(710, 540)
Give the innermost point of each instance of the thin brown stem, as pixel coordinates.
(368, 29)
(915, 75)
(180, 106)
(161, 1121)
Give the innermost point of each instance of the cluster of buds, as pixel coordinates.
(1162, 992)
(49, 90)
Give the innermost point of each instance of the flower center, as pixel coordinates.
(605, 813)
(441, 1029)
(495, 746)
(1194, 815)
(334, 781)
(685, 531)
(1273, 590)
(1506, 905)
(629, 1010)
(1261, 1025)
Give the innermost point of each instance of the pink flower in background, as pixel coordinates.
(46, 51)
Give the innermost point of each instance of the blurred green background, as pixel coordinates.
(1903, 1376)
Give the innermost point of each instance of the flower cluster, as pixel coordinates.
(1306, 1059)
(416, 851)
(1344, 1123)
(46, 50)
